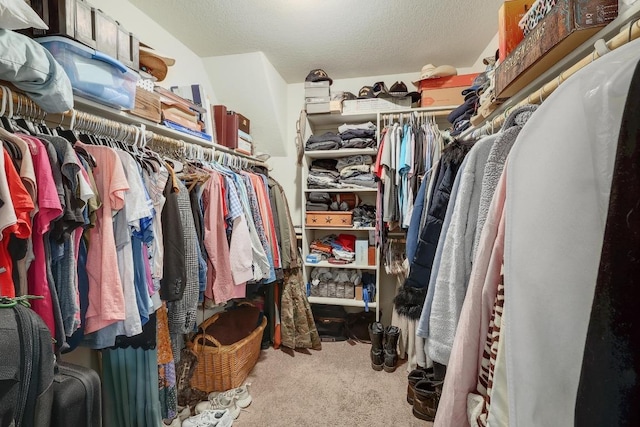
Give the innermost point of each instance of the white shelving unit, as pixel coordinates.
(320, 123)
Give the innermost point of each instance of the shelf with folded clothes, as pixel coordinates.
(351, 265)
(342, 190)
(342, 152)
(348, 302)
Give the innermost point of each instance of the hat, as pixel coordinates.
(430, 71)
(318, 75)
(154, 63)
(366, 92)
(348, 96)
(399, 90)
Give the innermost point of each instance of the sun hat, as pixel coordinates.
(154, 63)
(430, 71)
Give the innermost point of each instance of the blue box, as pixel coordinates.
(94, 75)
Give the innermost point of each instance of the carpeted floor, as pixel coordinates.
(332, 387)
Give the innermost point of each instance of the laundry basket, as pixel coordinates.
(223, 367)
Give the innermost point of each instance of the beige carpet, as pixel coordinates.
(332, 387)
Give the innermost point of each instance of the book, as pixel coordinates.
(180, 128)
(167, 115)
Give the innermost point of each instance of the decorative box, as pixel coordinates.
(567, 26)
(329, 219)
(509, 32)
(147, 105)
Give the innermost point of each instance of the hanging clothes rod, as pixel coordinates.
(23, 106)
(627, 34)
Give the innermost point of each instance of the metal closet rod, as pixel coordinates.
(23, 106)
(627, 34)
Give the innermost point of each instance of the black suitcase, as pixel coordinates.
(26, 367)
(76, 397)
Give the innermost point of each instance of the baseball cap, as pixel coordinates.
(318, 75)
(366, 92)
(399, 90)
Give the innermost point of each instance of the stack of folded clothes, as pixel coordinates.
(323, 174)
(326, 141)
(358, 135)
(338, 249)
(461, 116)
(364, 216)
(325, 202)
(350, 136)
(327, 282)
(356, 171)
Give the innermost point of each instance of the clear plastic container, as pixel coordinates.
(93, 74)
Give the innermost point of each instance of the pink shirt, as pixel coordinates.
(473, 326)
(220, 283)
(49, 208)
(106, 297)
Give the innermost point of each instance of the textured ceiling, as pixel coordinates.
(346, 38)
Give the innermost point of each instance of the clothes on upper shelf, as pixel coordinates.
(351, 136)
(345, 172)
(340, 247)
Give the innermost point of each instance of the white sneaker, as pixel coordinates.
(184, 413)
(220, 401)
(177, 422)
(210, 418)
(240, 394)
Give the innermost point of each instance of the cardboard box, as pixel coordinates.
(329, 219)
(318, 107)
(371, 105)
(568, 25)
(509, 32)
(359, 293)
(335, 106)
(445, 97)
(372, 255)
(463, 80)
(244, 147)
(317, 92)
(244, 124)
(147, 105)
(312, 85)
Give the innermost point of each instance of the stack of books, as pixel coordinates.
(182, 114)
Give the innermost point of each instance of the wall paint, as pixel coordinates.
(250, 85)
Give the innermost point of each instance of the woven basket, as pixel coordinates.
(223, 367)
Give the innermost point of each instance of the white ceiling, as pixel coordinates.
(346, 38)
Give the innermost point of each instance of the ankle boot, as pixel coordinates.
(426, 399)
(376, 333)
(391, 334)
(415, 376)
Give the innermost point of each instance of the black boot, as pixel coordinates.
(376, 332)
(391, 334)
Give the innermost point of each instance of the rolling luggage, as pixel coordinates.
(26, 367)
(77, 397)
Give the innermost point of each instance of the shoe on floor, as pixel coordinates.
(220, 402)
(184, 413)
(415, 376)
(241, 394)
(210, 418)
(426, 399)
(177, 422)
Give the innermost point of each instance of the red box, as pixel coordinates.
(463, 80)
(509, 33)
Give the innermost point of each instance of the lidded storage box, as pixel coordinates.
(93, 74)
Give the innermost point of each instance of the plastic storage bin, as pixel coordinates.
(93, 74)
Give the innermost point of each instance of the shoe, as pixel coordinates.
(391, 335)
(242, 396)
(415, 376)
(177, 422)
(376, 333)
(426, 398)
(220, 401)
(210, 418)
(184, 413)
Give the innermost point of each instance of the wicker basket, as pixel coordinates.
(223, 367)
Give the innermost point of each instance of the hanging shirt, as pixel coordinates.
(20, 202)
(106, 297)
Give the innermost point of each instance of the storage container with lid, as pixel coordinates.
(94, 75)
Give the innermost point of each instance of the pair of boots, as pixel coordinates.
(383, 346)
(423, 393)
